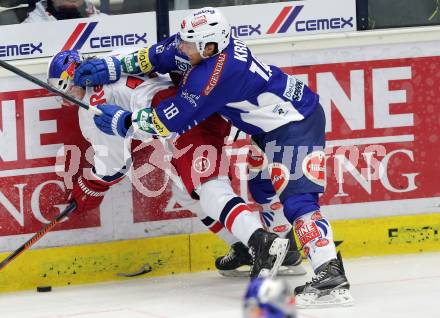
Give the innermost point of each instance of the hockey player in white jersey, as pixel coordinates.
(136, 92)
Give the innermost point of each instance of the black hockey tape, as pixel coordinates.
(44, 289)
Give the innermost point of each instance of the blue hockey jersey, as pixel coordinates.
(254, 96)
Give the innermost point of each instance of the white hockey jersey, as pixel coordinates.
(130, 92)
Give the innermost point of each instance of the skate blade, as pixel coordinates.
(279, 249)
(297, 270)
(243, 271)
(336, 298)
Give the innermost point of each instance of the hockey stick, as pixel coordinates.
(40, 83)
(70, 208)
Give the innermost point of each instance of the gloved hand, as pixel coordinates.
(98, 72)
(114, 120)
(88, 194)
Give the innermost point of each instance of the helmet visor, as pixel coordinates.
(185, 47)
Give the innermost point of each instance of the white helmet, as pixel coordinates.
(206, 25)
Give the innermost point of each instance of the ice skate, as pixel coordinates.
(328, 288)
(292, 262)
(236, 263)
(268, 252)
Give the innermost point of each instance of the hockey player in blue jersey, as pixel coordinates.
(281, 113)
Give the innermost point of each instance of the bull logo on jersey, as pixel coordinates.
(313, 167)
(279, 174)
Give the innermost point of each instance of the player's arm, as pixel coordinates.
(160, 57)
(174, 115)
(195, 101)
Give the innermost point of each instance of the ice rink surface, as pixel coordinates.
(383, 287)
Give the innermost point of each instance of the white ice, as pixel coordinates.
(383, 287)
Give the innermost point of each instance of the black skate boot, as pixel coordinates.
(292, 263)
(236, 263)
(268, 252)
(328, 288)
(230, 264)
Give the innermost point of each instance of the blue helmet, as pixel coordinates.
(269, 298)
(62, 69)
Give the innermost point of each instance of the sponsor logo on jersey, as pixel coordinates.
(216, 73)
(276, 206)
(21, 49)
(182, 64)
(316, 216)
(142, 120)
(144, 60)
(282, 109)
(279, 175)
(160, 49)
(306, 232)
(256, 158)
(198, 21)
(191, 98)
(201, 164)
(98, 96)
(322, 242)
(183, 24)
(158, 126)
(280, 228)
(294, 89)
(313, 167)
(288, 17)
(128, 63)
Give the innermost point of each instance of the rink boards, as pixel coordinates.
(91, 263)
(379, 90)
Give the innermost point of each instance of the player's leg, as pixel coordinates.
(297, 171)
(274, 220)
(234, 263)
(107, 166)
(182, 197)
(238, 254)
(267, 249)
(204, 166)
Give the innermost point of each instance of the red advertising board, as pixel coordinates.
(382, 129)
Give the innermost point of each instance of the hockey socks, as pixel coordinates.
(219, 200)
(217, 228)
(316, 238)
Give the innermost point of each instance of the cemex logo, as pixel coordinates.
(289, 14)
(22, 49)
(82, 33)
(246, 30)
